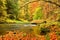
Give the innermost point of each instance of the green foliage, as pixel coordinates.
(24, 34)
(44, 31)
(12, 7)
(58, 33)
(47, 37)
(38, 13)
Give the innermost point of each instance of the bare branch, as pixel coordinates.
(53, 3)
(40, 0)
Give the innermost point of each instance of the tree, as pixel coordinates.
(37, 15)
(26, 11)
(3, 12)
(12, 8)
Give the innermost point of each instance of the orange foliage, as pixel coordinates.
(19, 36)
(53, 36)
(29, 36)
(33, 6)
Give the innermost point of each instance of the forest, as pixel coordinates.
(44, 15)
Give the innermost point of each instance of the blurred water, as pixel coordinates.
(11, 27)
